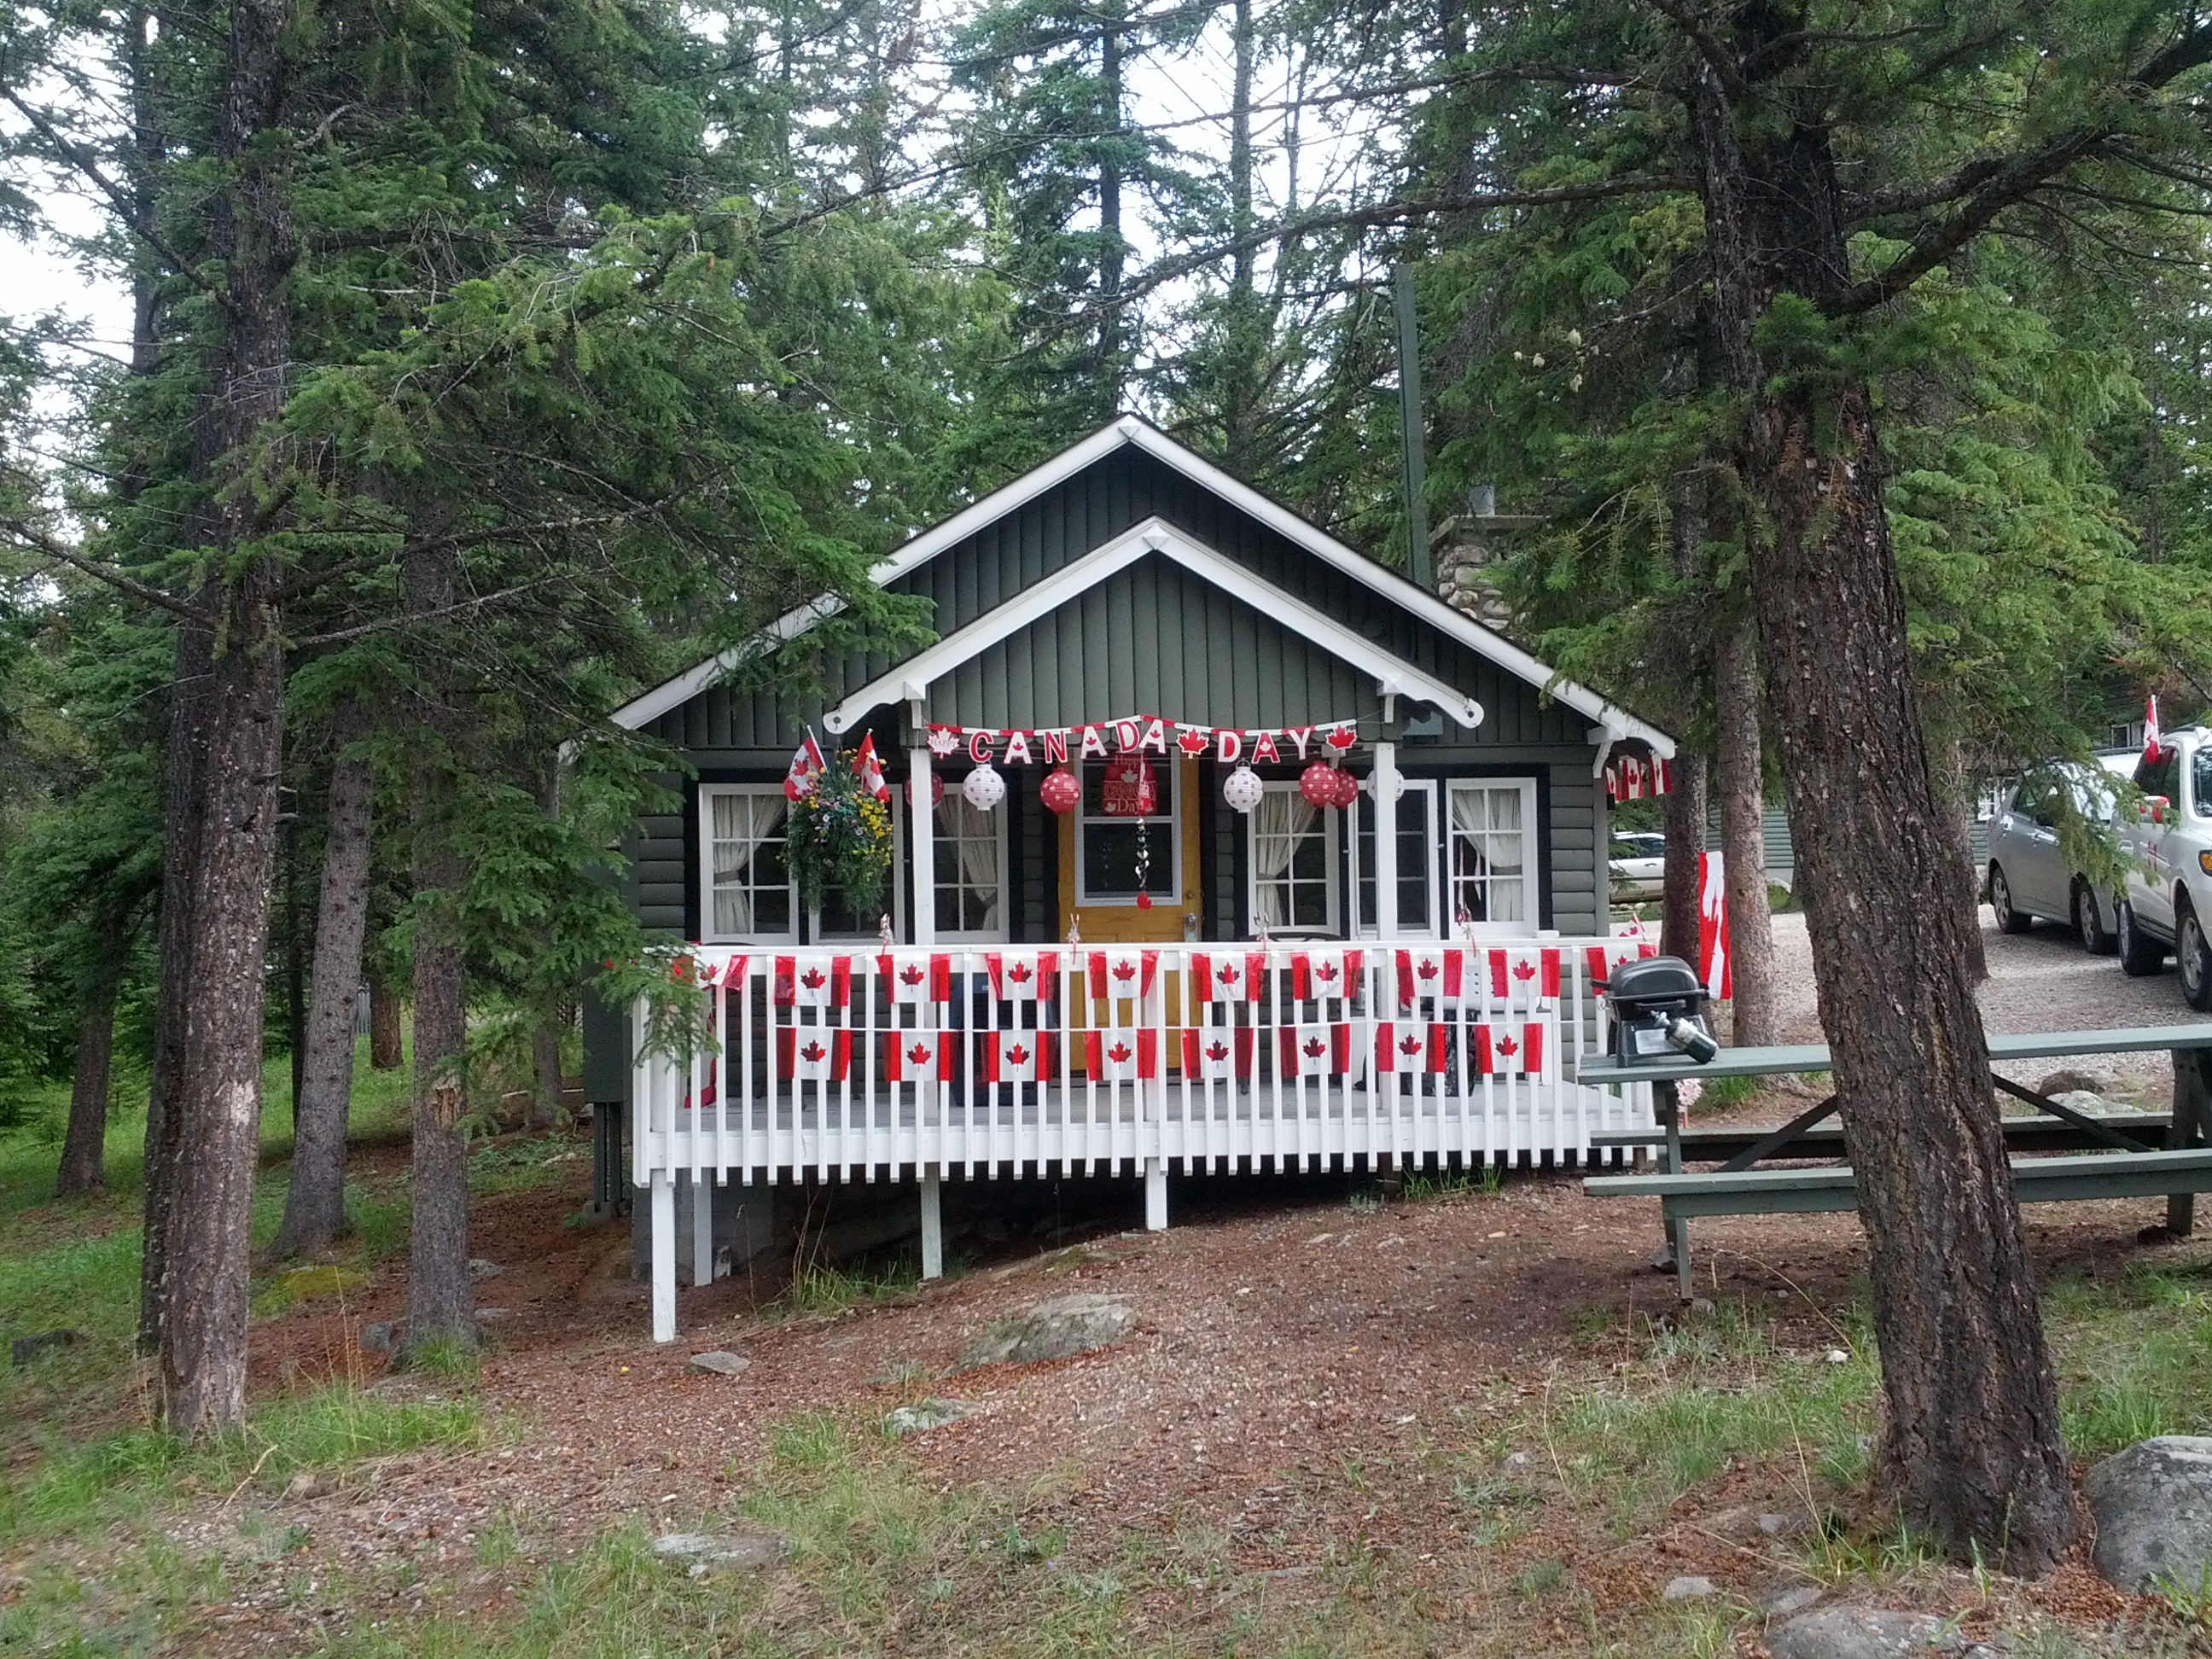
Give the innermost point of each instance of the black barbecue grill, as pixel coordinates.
(1659, 1011)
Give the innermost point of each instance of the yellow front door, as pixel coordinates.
(1121, 922)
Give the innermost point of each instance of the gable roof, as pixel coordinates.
(1614, 723)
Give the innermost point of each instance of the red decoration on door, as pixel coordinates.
(1130, 791)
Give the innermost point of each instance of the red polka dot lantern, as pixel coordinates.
(1060, 792)
(1317, 783)
(1347, 788)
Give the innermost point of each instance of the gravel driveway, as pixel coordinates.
(2039, 980)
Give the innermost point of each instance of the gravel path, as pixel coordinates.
(2039, 980)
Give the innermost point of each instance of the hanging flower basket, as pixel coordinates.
(840, 840)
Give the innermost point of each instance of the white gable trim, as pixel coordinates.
(1394, 676)
(1130, 430)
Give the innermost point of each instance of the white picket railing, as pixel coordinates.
(1086, 1059)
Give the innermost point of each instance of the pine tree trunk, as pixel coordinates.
(385, 1051)
(1753, 1018)
(1686, 812)
(545, 1063)
(314, 1207)
(1948, 757)
(84, 1147)
(440, 1301)
(1973, 1451)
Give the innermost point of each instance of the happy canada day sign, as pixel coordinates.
(1137, 734)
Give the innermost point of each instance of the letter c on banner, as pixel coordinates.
(978, 746)
(1228, 744)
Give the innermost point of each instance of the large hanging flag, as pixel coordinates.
(805, 767)
(1713, 927)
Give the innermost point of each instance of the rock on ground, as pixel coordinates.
(1688, 1590)
(925, 1414)
(24, 1349)
(2153, 1505)
(708, 1550)
(1856, 1633)
(1052, 1330)
(720, 1362)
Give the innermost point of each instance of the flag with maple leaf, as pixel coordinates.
(869, 765)
(1505, 1050)
(916, 979)
(1123, 972)
(1120, 1056)
(815, 985)
(1017, 1056)
(919, 1056)
(1211, 1053)
(1031, 976)
(1223, 976)
(814, 1053)
(1316, 1049)
(1325, 974)
(805, 767)
(1430, 970)
(1409, 1046)
(1602, 959)
(1524, 978)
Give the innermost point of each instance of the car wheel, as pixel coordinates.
(2141, 956)
(2089, 922)
(2009, 920)
(2194, 957)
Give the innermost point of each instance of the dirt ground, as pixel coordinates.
(1285, 1336)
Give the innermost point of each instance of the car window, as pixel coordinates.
(2161, 776)
(2032, 800)
(2200, 781)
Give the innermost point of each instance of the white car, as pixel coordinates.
(2028, 877)
(2169, 898)
(1638, 869)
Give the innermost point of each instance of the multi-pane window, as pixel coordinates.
(1417, 861)
(1293, 861)
(1491, 844)
(750, 892)
(970, 850)
(1108, 849)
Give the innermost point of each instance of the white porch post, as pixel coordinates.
(1384, 782)
(1155, 1195)
(921, 835)
(663, 1256)
(933, 1224)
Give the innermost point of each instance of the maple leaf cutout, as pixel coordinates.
(1118, 1054)
(813, 1051)
(1217, 1051)
(1315, 1048)
(1018, 1055)
(1191, 743)
(943, 743)
(813, 979)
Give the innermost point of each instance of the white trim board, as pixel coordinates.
(1129, 430)
(1393, 675)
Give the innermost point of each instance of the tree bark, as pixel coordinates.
(1948, 757)
(84, 1147)
(439, 1301)
(545, 1063)
(385, 1051)
(1972, 1451)
(315, 1205)
(1685, 815)
(1740, 765)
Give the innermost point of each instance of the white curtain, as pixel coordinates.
(1283, 819)
(742, 823)
(1486, 823)
(975, 833)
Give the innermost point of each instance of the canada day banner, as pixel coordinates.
(1138, 734)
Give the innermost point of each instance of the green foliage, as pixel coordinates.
(839, 841)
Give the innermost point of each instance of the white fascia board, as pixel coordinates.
(1154, 535)
(642, 711)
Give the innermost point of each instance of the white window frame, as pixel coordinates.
(1431, 925)
(709, 795)
(999, 935)
(1332, 835)
(1532, 851)
(1170, 766)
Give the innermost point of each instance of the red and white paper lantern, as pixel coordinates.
(1243, 789)
(984, 788)
(1062, 791)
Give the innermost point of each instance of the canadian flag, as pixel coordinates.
(1602, 959)
(1227, 978)
(806, 765)
(1035, 977)
(1325, 974)
(1120, 1056)
(813, 986)
(1431, 971)
(1524, 979)
(919, 1056)
(1123, 972)
(1504, 1050)
(814, 1053)
(1316, 1049)
(1713, 926)
(2154, 740)
(916, 979)
(1212, 1052)
(870, 765)
(1408, 1046)
(1017, 1056)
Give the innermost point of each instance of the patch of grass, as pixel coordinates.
(827, 1291)
(2134, 1358)
(1419, 1184)
(1727, 1091)
(1540, 1579)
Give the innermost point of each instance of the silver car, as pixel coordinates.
(2029, 879)
(1637, 868)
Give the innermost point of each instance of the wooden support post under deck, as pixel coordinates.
(933, 1224)
(1155, 1195)
(663, 1256)
(1384, 783)
(702, 1227)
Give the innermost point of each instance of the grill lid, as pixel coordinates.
(1637, 984)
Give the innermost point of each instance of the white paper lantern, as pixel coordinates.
(1398, 785)
(1243, 789)
(984, 788)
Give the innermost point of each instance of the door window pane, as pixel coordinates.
(1107, 848)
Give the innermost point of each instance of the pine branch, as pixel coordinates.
(31, 538)
(1718, 56)
(386, 624)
